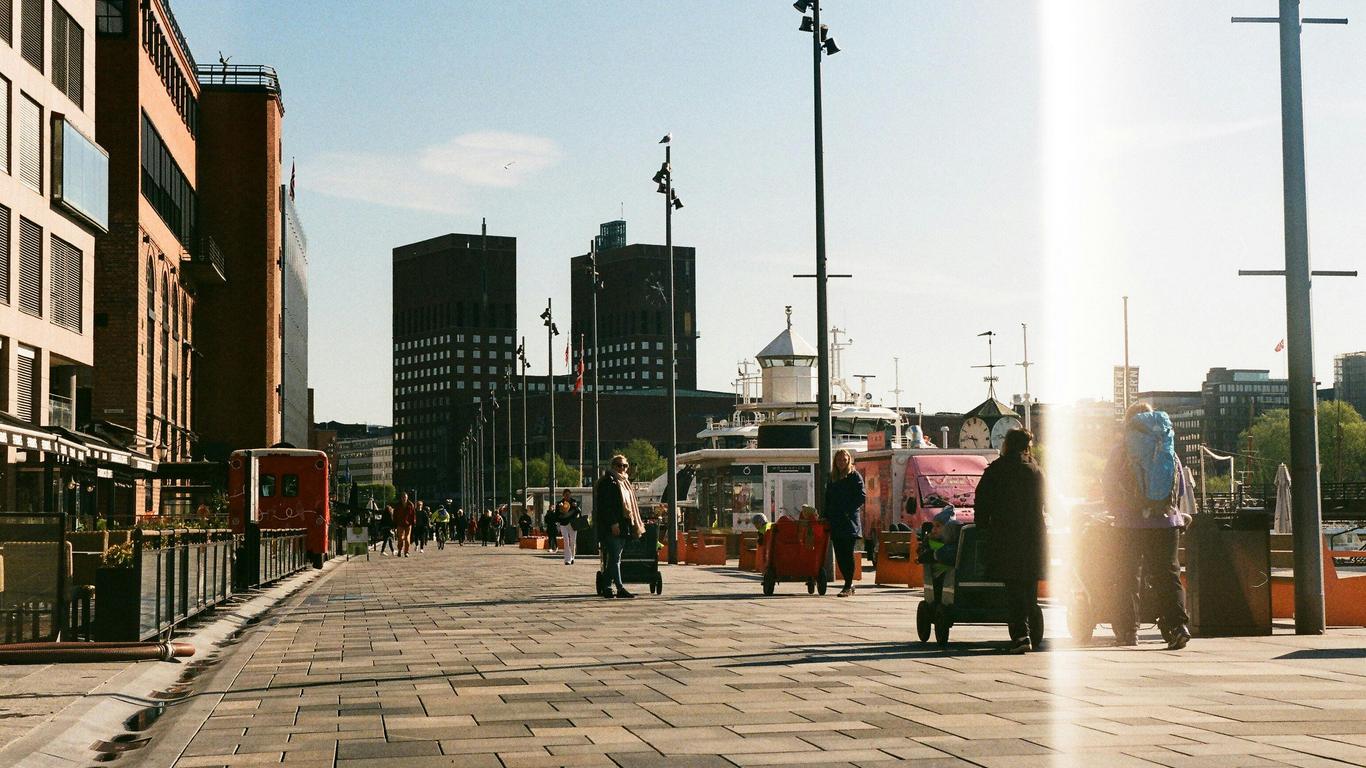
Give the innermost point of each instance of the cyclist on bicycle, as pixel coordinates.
(441, 520)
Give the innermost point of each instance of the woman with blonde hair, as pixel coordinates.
(844, 497)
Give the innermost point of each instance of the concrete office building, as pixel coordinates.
(633, 312)
(54, 183)
(1349, 380)
(455, 335)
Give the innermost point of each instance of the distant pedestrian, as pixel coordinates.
(422, 527)
(386, 527)
(569, 516)
(1143, 483)
(441, 525)
(461, 521)
(524, 523)
(1009, 513)
(405, 517)
(485, 526)
(552, 528)
(844, 497)
(616, 514)
(498, 522)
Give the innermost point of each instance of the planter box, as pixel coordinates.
(533, 542)
(706, 549)
(117, 604)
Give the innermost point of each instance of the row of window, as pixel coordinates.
(166, 187)
(65, 273)
(163, 57)
(434, 341)
(420, 319)
(68, 44)
(445, 354)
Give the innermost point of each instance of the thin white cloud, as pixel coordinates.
(437, 178)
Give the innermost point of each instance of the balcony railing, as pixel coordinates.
(206, 263)
(250, 76)
(61, 412)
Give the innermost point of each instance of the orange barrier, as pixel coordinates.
(706, 549)
(1344, 599)
(663, 552)
(896, 559)
(533, 542)
(858, 568)
(749, 551)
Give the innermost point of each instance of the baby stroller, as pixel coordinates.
(963, 594)
(639, 563)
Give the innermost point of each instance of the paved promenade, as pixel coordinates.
(501, 657)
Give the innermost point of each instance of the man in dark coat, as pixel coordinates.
(1009, 511)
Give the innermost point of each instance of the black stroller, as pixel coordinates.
(963, 594)
(639, 563)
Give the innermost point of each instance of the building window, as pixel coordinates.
(31, 144)
(163, 57)
(111, 17)
(68, 56)
(30, 267)
(4, 119)
(28, 384)
(80, 175)
(4, 254)
(31, 32)
(64, 298)
(165, 186)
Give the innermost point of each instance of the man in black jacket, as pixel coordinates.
(614, 501)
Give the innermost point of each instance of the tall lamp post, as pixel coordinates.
(521, 359)
(596, 283)
(493, 447)
(821, 43)
(664, 178)
(479, 451)
(550, 333)
(507, 387)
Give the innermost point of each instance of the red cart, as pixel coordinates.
(796, 552)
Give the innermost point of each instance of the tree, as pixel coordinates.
(382, 493)
(1342, 442)
(538, 474)
(646, 463)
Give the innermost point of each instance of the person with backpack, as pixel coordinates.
(1143, 486)
(441, 522)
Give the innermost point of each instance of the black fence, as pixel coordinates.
(176, 575)
(270, 554)
(38, 599)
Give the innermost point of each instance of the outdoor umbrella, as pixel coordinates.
(1282, 499)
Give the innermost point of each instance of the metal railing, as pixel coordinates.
(239, 75)
(207, 253)
(38, 601)
(270, 554)
(180, 574)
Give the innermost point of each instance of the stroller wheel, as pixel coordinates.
(943, 621)
(924, 621)
(810, 586)
(658, 584)
(770, 581)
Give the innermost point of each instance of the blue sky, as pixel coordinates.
(988, 164)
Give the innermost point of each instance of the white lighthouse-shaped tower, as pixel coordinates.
(788, 367)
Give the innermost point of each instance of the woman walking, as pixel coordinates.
(844, 497)
(567, 514)
(1010, 515)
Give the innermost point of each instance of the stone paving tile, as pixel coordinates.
(526, 668)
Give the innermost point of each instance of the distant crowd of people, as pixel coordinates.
(407, 525)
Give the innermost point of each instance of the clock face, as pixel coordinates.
(974, 434)
(1001, 427)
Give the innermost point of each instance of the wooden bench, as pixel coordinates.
(896, 559)
(1344, 597)
(749, 551)
(706, 549)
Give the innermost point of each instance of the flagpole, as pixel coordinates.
(578, 384)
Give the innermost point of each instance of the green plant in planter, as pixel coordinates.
(118, 556)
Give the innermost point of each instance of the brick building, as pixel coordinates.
(454, 326)
(53, 206)
(633, 311)
(156, 257)
(242, 384)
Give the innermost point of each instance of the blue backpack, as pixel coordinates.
(1150, 443)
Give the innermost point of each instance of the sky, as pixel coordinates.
(987, 165)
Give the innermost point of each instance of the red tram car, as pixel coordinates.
(281, 488)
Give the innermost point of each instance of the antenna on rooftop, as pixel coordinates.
(991, 378)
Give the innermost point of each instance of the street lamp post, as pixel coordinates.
(479, 451)
(665, 179)
(596, 283)
(507, 387)
(493, 447)
(550, 333)
(521, 358)
(820, 43)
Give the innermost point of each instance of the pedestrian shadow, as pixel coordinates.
(1325, 654)
(854, 653)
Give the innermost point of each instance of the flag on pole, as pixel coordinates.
(1281, 346)
(291, 180)
(578, 380)
(566, 357)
